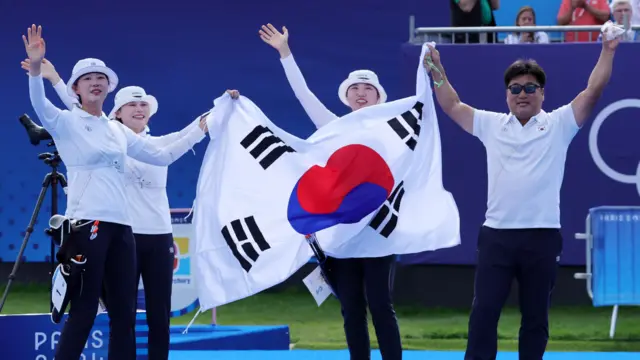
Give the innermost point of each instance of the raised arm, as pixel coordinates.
(143, 149)
(182, 135)
(49, 72)
(316, 110)
(459, 112)
(584, 103)
(199, 122)
(48, 114)
(167, 139)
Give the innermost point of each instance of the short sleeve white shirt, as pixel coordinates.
(525, 166)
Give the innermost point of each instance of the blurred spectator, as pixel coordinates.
(527, 17)
(622, 13)
(473, 13)
(635, 6)
(583, 12)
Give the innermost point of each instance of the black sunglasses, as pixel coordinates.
(529, 88)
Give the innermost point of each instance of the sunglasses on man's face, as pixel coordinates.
(528, 88)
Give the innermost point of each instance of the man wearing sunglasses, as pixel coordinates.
(526, 151)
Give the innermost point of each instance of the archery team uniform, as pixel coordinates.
(357, 282)
(151, 223)
(94, 150)
(146, 191)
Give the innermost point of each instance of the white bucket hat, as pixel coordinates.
(131, 94)
(91, 65)
(361, 76)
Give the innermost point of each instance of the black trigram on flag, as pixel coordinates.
(407, 125)
(390, 207)
(245, 247)
(269, 147)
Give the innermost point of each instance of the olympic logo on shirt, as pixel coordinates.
(593, 143)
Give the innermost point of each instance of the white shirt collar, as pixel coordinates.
(539, 118)
(78, 110)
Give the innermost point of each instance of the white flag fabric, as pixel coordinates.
(368, 184)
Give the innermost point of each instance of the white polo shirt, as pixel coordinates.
(525, 166)
(94, 150)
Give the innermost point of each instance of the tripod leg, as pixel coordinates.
(34, 217)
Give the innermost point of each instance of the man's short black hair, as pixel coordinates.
(525, 67)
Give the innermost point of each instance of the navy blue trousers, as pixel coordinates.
(359, 282)
(155, 265)
(531, 257)
(110, 270)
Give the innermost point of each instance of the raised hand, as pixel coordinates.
(433, 56)
(433, 65)
(611, 36)
(609, 42)
(203, 123)
(279, 41)
(234, 94)
(48, 70)
(34, 44)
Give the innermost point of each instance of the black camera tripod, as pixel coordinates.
(52, 180)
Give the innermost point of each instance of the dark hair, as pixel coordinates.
(75, 83)
(525, 67)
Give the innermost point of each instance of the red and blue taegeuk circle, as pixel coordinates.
(355, 181)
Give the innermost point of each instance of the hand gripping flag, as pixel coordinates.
(368, 184)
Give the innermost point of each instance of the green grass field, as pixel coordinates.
(312, 327)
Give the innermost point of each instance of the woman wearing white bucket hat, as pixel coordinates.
(94, 150)
(356, 281)
(360, 89)
(149, 208)
(148, 203)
